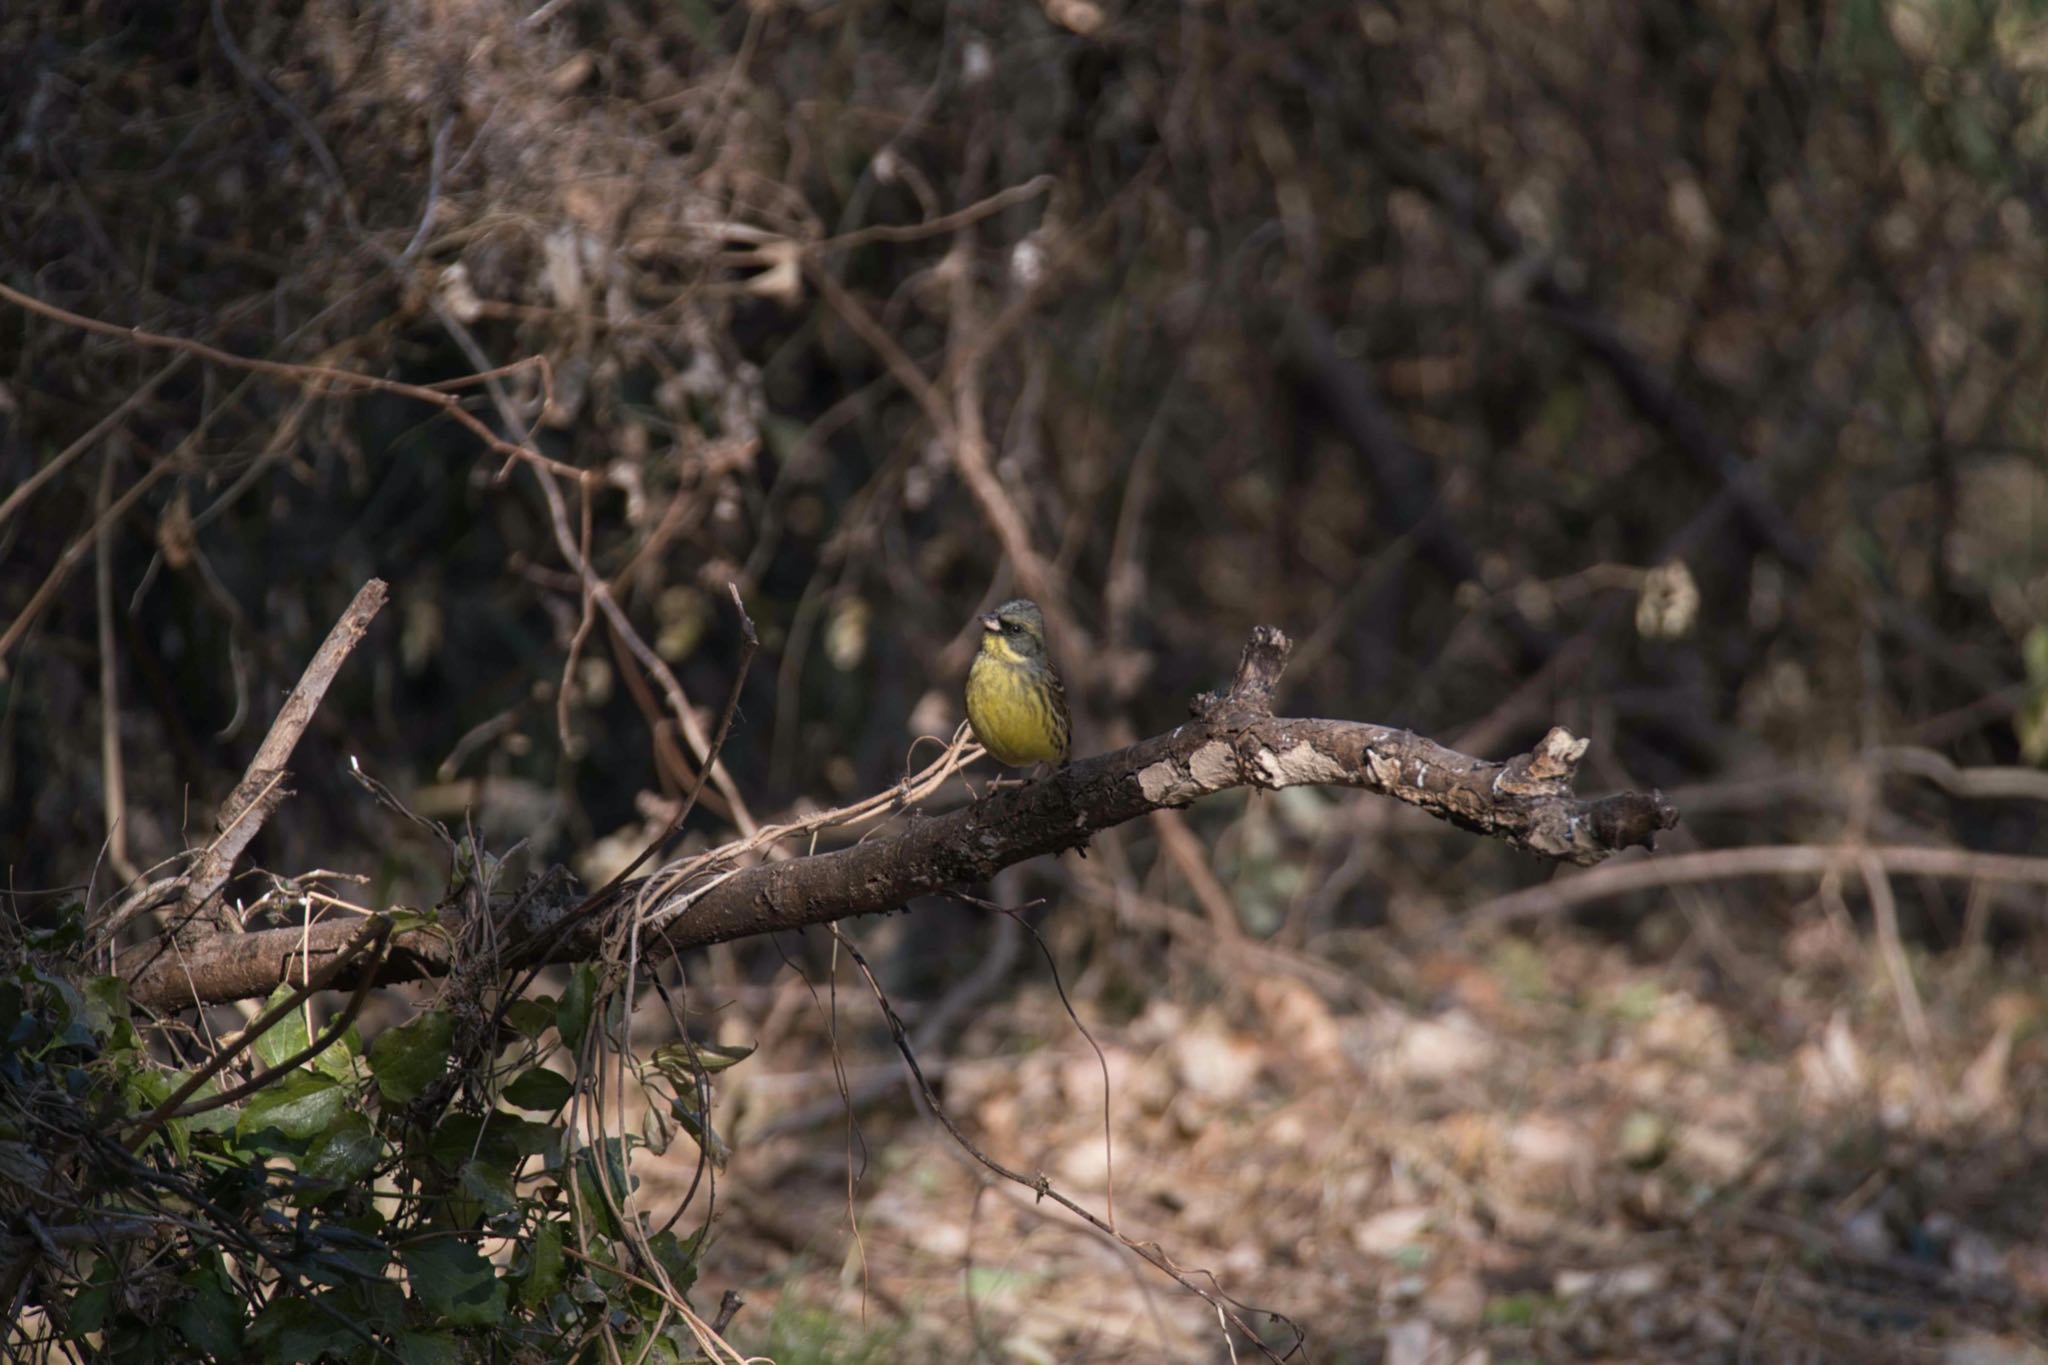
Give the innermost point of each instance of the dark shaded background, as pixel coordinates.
(1422, 331)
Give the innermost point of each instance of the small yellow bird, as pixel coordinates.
(1014, 698)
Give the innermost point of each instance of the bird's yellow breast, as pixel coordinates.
(1011, 711)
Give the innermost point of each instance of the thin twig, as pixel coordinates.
(1884, 910)
(113, 784)
(60, 572)
(750, 644)
(320, 378)
(94, 434)
(932, 227)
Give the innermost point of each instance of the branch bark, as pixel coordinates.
(1233, 740)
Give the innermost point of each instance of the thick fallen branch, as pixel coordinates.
(1233, 741)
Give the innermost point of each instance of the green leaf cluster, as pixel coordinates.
(419, 1199)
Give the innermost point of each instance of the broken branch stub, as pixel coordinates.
(261, 790)
(1257, 678)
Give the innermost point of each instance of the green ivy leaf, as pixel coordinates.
(510, 1140)
(209, 1315)
(336, 1255)
(412, 1056)
(287, 1037)
(290, 1330)
(526, 1137)
(369, 1300)
(146, 1090)
(425, 1348)
(106, 1003)
(63, 935)
(454, 1283)
(300, 1105)
(543, 1266)
(502, 1139)
(346, 1153)
(65, 1005)
(338, 1058)
(133, 1339)
(617, 1183)
(572, 1017)
(490, 1186)
(540, 1090)
(655, 1350)
(677, 1257)
(89, 1310)
(531, 1017)
(218, 1120)
(455, 1139)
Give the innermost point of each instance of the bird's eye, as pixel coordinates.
(1010, 627)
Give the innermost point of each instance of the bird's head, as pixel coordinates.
(1014, 632)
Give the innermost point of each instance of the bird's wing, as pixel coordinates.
(1062, 719)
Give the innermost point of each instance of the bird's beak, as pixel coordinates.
(991, 622)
